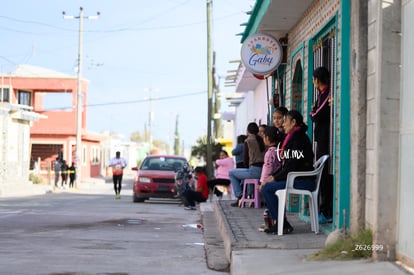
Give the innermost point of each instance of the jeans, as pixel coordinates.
(57, 176)
(237, 175)
(269, 189)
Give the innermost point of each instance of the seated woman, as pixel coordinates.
(237, 152)
(296, 155)
(254, 150)
(224, 165)
(200, 194)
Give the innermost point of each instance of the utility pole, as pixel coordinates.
(79, 92)
(209, 91)
(150, 116)
(216, 103)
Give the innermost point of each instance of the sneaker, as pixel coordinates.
(287, 228)
(271, 229)
(190, 208)
(322, 219)
(236, 203)
(262, 228)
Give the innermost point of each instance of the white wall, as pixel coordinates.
(254, 108)
(405, 245)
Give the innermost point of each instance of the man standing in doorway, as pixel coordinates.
(117, 164)
(321, 117)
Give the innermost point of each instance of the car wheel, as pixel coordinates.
(137, 199)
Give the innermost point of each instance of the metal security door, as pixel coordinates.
(324, 54)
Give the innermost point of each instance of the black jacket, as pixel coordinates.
(321, 116)
(297, 155)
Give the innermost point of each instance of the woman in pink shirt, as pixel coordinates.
(224, 165)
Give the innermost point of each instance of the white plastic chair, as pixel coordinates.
(313, 195)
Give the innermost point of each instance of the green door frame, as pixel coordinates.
(341, 181)
(299, 51)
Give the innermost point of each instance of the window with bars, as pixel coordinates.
(324, 54)
(4, 94)
(24, 98)
(95, 155)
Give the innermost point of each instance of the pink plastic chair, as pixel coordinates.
(256, 196)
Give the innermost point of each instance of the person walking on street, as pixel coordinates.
(64, 173)
(72, 174)
(117, 164)
(57, 165)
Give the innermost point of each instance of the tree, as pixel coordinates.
(136, 137)
(200, 149)
(176, 138)
(162, 145)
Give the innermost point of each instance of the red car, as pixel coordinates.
(156, 177)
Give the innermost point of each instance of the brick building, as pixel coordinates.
(55, 133)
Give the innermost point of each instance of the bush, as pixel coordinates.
(35, 179)
(353, 247)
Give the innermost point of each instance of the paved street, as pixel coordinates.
(92, 233)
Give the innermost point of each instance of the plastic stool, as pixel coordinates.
(256, 195)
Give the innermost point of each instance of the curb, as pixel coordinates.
(213, 243)
(225, 230)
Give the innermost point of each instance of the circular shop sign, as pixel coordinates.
(261, 54)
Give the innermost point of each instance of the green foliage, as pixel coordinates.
(353, 247)
(176, 138)
(200, 149)
(137, 137)
(35, 179)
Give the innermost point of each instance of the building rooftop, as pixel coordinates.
(35, 71)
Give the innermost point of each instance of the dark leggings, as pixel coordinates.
(214, 182)
(192, 197)
(117, 183)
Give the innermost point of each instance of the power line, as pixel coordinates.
(129, 101)
(114, 30)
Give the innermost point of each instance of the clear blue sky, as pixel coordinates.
(135, 45)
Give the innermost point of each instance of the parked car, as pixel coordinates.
(156, 177)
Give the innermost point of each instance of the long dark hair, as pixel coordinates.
(293, 114)
(241, 138)
(273, 134)
(281, 110)
(322, 74)
(252, 128)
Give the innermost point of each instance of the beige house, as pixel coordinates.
(16, 119)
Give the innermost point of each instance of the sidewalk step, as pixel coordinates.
(213, 242)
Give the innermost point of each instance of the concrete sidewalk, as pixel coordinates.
(234, 244)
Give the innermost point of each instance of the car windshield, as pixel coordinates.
(163, 163)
